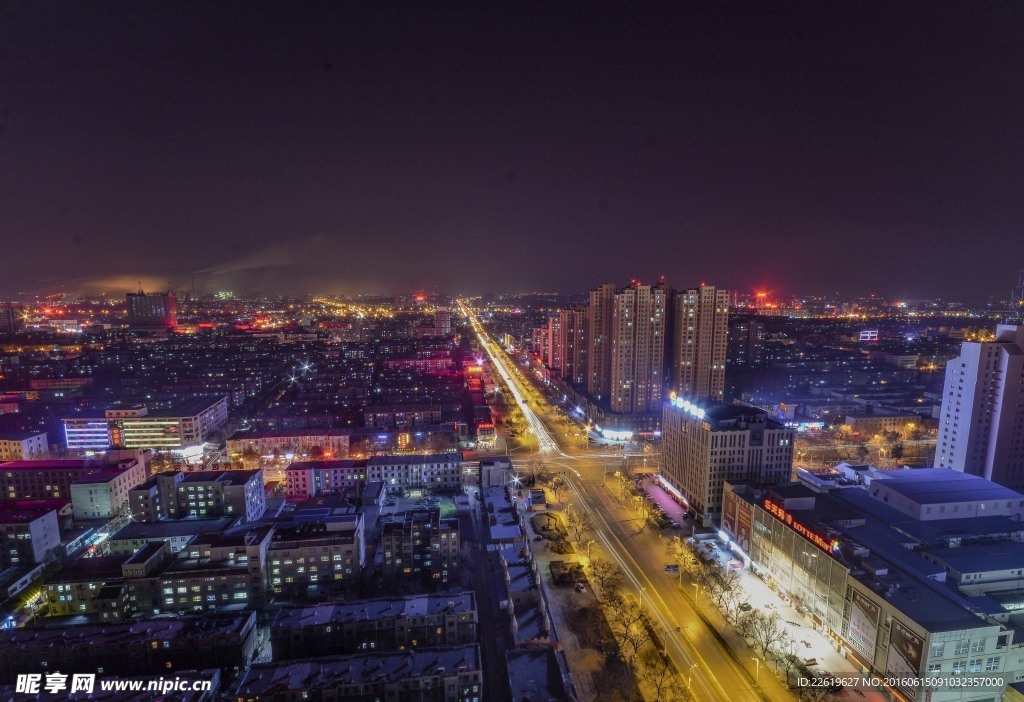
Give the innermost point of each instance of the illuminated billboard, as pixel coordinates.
(863, 625)
(904, 661)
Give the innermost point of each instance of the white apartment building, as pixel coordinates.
(22, 446)
(981, 425)
(440, 471)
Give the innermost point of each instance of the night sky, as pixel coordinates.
(803, 147)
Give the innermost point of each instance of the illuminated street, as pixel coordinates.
(640, 553)
(512, 352)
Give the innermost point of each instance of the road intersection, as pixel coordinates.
(698, 651)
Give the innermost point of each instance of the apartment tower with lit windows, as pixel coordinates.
(699, 338)
(981, 424)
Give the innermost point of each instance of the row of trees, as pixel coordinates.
(633, 631)
(764, 631)
(838, 444)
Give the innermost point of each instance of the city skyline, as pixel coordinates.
(487, 352)
(815, 148)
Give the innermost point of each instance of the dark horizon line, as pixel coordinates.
(21, 296)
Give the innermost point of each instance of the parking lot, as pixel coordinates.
(665, 513)
(399, 505)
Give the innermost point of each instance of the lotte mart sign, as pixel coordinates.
(777, 511)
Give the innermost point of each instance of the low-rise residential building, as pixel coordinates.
(448, 674)
(375, 493)
(439, 471)
(177, 534)
(311, 478)
(496, 471)
(400, 416)
(330, 443)
(101, 586)
(222, 641)
(204, 494)
(313, 557)
(421, 546)
(523, 600)
(217, 569)
(28, 534)
(387, 624)
(22, 445)
(534, 674)
(97, 490)
(868, 424)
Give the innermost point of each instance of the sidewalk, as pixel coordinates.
(771, 686)
(584, 662)
(809, 642)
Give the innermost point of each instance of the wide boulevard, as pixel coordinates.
(704, 661)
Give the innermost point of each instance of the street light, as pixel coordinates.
(757, 670)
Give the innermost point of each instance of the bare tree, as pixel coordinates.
(605, 573)
(642, 505)
(704, 571)
(767, 631)
(731, 594)
(541, 474)
(840, 442)
(559, 487)
(579, 523)
(780, 649)
(745, 623)
(658, 672)
(807, 693)
(626, 618)
(161, 463)
(787, 664)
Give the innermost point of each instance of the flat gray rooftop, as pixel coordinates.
(942, 485)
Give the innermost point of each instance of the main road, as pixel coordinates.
(698, 652)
